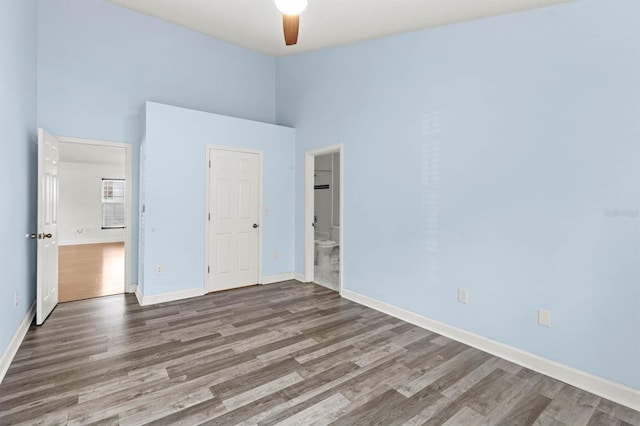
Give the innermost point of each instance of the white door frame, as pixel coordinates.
(207, 222)
(309, 240)
(128, 286)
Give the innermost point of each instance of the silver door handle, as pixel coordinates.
(39, 236)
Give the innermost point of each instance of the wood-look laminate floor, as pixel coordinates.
(285, 353)
(90, 270)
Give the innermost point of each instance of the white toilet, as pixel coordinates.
(324, 248)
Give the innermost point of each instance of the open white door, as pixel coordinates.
(47, 291)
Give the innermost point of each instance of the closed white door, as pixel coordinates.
(47, 236)
(234, 210)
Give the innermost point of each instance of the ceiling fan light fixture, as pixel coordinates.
(291, 7)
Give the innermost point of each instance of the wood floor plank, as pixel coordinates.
(599, 418)
(524, 411)
(466, 416)
(501, 391)
(193, 415)
(321, 413)
(573, 406)
(287, 353)
(369, 413)
(261, 391)
(408, 409)
(619, 411)
(425, 414)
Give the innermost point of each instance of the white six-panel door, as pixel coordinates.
(47, 236)
(234, 211)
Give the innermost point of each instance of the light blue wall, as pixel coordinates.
(18, 171)
(98, 63)
(486, 155)
(174, 192)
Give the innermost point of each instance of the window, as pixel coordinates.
(113, 203)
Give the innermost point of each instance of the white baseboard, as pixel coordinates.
(154, 299)
(300, 277)
(139, 295)
(597, 385)
(270, 279)
(131, 288)
(14, 344)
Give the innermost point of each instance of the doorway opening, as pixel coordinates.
(324, 229)
(93, 219)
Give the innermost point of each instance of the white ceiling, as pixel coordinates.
(93, 154)
(257, 24)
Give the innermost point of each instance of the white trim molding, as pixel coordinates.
(131, 288)
(597, 385)
(154, 299)
(14, 344)
(299, 277)
(271, 279)
(139, 295)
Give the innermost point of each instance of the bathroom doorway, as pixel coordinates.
(323, 211)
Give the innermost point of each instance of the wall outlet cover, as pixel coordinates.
(463, 296)
(544, 318)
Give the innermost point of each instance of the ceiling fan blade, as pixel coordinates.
(290, 25)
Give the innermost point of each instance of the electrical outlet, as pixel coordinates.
(463, 296)
(15, 298)
(159, 270)
(544, 318)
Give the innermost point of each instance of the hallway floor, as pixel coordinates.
(90, 270)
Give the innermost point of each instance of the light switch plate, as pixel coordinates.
(544, 318)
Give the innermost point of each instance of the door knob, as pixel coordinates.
(255, 225)
(39, 236)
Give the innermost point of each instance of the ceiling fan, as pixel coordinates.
(291, 10)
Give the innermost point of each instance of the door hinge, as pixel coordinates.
(209, 216)
(209, 163)
(208, 269)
